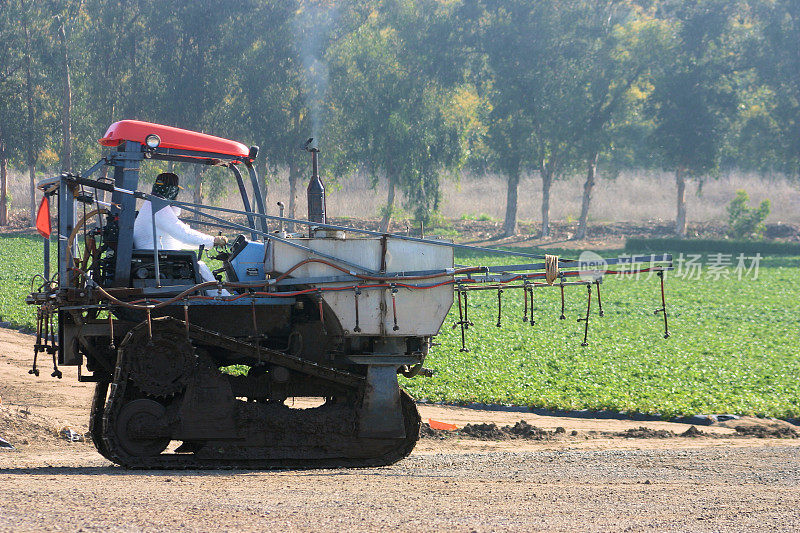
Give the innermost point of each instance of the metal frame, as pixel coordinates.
(126, 161)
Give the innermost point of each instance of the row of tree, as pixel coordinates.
(413, 90)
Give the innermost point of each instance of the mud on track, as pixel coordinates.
(604, 477)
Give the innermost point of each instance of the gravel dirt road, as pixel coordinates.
(592, 476)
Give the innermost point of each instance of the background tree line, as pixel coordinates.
(410, 91)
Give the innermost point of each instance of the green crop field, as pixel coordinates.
(20, 259)
(733, 348)
(734, 344)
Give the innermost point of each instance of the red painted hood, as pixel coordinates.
(136, 130)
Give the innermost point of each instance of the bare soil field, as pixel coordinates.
(565, 474)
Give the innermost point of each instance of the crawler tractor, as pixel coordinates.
(331, 313)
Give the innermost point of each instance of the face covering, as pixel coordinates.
(168, 192)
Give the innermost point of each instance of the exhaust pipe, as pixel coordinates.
(316, 189)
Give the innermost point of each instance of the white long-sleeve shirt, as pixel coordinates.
(171, 232)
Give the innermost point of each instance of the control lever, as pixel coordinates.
(218, 273)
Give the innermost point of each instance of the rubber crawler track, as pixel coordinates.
(108, 445)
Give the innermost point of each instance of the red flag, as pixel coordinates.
(444, 426)
(43, 218)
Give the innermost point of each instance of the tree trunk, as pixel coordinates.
(680, 219)
(32, 176)
(510, 224)
(29, 129)
(101, 194)
(66, 117)
(3, 183)
(547, 181)
(3, 179)
(197, 192)
(588, 185)
(264, 183)
(293, 175)
(387, 215)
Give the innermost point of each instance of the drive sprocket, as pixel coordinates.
(160, 365)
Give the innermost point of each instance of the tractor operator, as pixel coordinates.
(171, 232)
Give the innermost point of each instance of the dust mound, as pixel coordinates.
(764, 432)
(645, 433)
(426, 431)
(20, 426)
(692, 432)
(527, 431)
(520, 430)
(484, 431)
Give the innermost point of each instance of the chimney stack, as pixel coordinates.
(316, 189)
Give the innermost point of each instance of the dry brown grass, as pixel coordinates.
(635, 196)
(632, 197)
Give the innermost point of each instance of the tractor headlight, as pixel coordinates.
(152, 140)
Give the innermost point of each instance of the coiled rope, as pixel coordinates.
(551, 268)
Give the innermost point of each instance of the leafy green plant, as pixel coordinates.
(443, 232)
(638, 245)
(437, 220)
(483, 217)
(744, 221)
(394, 211)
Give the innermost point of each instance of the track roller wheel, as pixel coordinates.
(137, 428)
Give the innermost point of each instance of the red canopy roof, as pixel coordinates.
(136, 130)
